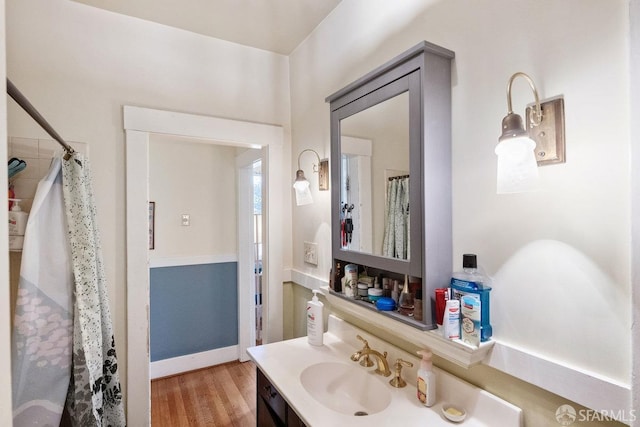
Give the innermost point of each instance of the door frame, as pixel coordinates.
(246, 259)
(139, 123)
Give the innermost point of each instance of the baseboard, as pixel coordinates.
(191, 362)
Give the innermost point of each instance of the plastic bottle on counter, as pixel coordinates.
(315, 328)
(426, 383)
(17, 225)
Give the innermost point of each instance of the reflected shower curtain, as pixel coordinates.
(396, 230)
(63, 346)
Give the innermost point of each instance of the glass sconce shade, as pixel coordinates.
(517, 166)
(303, 192)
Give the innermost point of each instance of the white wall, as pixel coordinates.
(635, 191)
(199, 180)
(560, 257)
(5, 332)
(79, 65)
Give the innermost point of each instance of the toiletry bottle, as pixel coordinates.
(406, 301)
(451, 320)
(426, 380)
(17, 225)
(350, 287)
(337, 277)
(472, 289)
(395, 293)
(442, 295)
(315, 326)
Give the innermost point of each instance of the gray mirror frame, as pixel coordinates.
(425, 72)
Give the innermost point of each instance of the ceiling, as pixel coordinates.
(273, 25)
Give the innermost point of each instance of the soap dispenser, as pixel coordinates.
(17, 225)
(426, 379)
(315, 326)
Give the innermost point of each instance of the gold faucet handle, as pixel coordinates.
(397, 380)
(365, 342)
(365, 360)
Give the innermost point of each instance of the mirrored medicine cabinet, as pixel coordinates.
(391, 176)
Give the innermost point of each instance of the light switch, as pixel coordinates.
(186, 219)
(311, 253)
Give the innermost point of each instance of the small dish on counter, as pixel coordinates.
(453, 413)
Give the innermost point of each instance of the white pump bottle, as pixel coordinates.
(315, 328)
(426, 379)
(17, 226)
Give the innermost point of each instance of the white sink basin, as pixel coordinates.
(346, 388)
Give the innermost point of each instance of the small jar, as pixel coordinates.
(375, 294)
(362, 289)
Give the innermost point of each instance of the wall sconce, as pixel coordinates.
(521, 151)
(301, 184)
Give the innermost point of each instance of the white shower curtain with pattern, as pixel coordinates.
(43, 320)
(63, 340)
(95, 395)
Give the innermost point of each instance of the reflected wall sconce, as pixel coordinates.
(521, 151)
(301, 184)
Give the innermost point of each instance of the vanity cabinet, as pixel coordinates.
(272, 410)
(391, 173)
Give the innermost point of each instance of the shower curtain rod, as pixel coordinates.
(23, 102)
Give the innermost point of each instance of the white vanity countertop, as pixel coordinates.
(283, 362)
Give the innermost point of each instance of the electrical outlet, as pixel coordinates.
(186, 219)
(311, 253)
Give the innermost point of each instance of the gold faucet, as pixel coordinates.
(382, 364)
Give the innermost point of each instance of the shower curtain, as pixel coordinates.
(86, 368)
(43, 322)
(396, 231)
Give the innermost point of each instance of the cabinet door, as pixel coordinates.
(274, 404)
(265, 417)
(292, 418)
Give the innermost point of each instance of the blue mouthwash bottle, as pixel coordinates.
(472, 288)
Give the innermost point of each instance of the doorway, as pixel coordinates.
(193, 255)
(139, 123)
(257, 248)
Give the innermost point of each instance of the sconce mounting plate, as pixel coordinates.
(323, 175)
(549, 134)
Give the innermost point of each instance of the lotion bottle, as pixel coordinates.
(315, 326)
(17, 219)
(426, 383)
(17, 225)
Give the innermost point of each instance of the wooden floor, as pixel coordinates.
(223, 395)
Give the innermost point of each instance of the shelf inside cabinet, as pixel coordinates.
(391, 314)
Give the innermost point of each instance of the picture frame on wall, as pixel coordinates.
(152, 218)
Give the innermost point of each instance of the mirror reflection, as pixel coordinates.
(374, 179)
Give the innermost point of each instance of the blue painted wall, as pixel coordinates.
(194, 308)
